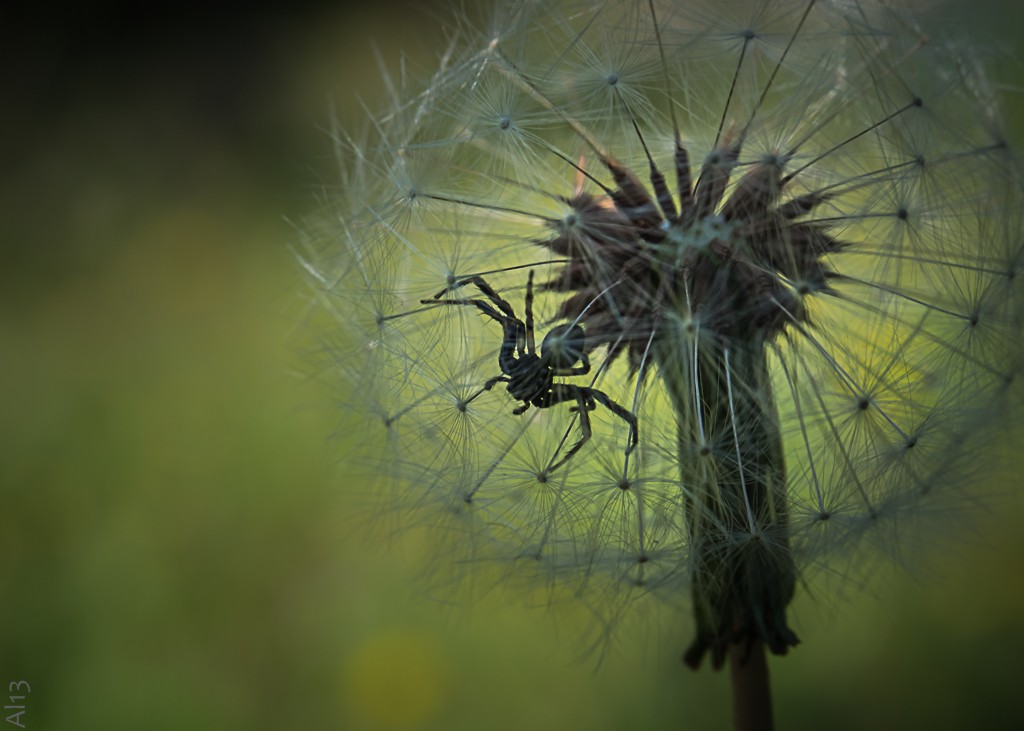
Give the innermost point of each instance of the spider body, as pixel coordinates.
(528, 374)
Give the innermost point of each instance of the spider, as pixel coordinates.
(530, 374)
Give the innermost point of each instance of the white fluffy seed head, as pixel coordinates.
(892, 337)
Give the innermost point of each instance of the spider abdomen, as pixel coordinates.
(563, 346)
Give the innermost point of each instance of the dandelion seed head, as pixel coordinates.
(783, 236)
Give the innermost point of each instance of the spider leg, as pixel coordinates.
(531, 346)
(479, 304)
(621, 412)
(513, 328)
(484, 287)
(486, 387)
(580, 370)
(587, 399)
(560, 393)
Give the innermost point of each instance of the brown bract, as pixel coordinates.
(736, 267)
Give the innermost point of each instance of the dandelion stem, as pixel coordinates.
(751, 693)
(733, 476)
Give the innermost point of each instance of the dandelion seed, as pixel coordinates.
(803, 334)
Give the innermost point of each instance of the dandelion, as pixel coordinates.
(657, 299)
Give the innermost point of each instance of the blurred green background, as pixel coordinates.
(176, 548)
